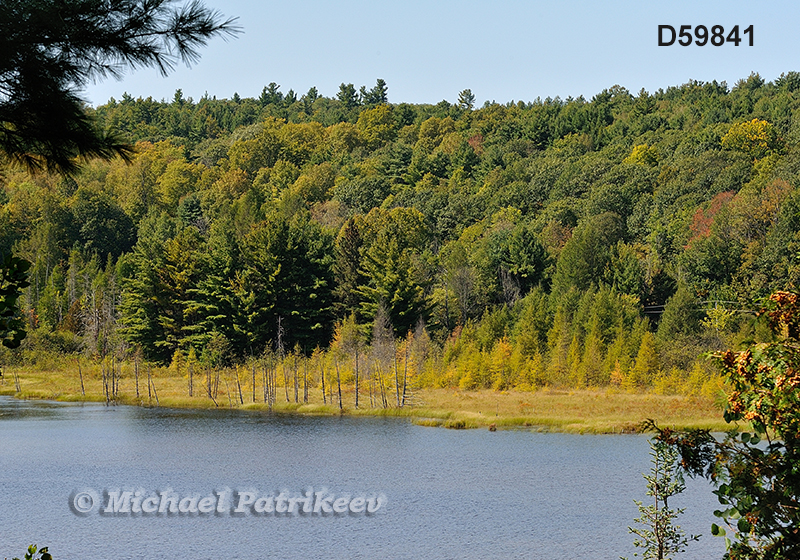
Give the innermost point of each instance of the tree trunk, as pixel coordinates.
(305, 381)
(296, 388)
(154, 389)
(405, 376)
(285, 380)
(239, 386)
(383, 390)
(149, 385)
(356, 376)
(322, 373)
(339, 383)
(371, 388)
(105, 379)
(264, 383)
(228, 390)
(396, 380)
(83, 389)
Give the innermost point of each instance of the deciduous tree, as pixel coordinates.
(755, 471)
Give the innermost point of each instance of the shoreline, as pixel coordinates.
(583, 411)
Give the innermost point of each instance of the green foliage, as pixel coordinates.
(155, 292)
(347, 96)
(377, 95)
(295, 256)
(561, 228)
(466, 99)
(755, 472)
(394, 264)
(62, 47)
(362, 193)
(376, 126)
(530, 330)
(756, 138)
(681, 315)
(587, 254)
(13, 279)
(36, 553)
(103, 228)
(643, 155)
(348, 264)
(658, 535)
(43, 124)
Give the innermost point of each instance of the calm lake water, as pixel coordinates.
(450, 494)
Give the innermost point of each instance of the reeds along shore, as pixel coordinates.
(301, 386)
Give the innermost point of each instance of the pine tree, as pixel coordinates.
(51, 50)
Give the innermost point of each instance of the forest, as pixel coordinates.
(580, 243)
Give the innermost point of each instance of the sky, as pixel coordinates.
(503, 50)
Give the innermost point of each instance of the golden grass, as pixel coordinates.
(578, 411)
(590, 411)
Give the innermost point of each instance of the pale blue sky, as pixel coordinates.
(502, 50)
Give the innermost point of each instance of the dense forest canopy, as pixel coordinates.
(561, 241)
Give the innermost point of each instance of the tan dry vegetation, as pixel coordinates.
(590, 411)
(579, 411)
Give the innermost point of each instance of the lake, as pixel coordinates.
(448, 494)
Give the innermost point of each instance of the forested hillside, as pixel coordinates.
(561, 242)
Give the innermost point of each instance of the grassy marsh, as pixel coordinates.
(579, 411)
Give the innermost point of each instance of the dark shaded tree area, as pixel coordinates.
(48, 52)
(584, 242)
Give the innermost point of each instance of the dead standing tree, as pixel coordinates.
(382, 350)
(281, 350)
(295, 359)
(269, 365)
(349, 340)
(417, 348)
(214, 356)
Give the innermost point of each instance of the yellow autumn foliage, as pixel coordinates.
(756, 138)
